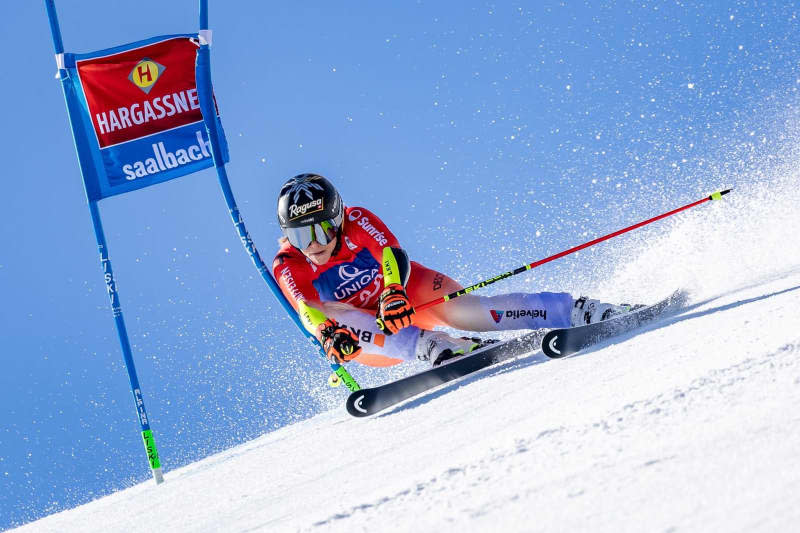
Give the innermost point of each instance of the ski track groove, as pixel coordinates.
(718, 385)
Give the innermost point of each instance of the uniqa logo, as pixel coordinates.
(353, 280)
(145, 74)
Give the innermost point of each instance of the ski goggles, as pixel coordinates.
(323, 232)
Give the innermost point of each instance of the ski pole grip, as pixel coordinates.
(718, 195)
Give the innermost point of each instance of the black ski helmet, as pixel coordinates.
(309, 208)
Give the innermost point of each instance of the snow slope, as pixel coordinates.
(690, 425)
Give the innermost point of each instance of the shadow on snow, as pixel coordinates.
(538, 358)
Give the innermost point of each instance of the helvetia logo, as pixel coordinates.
(146, 73)
(519, 313)
(522, 313)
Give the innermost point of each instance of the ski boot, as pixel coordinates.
(438, 347)
(586, 311)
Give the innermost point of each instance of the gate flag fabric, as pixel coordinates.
(138, 114)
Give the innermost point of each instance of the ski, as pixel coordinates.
(366, 402)
(555, 343)
(559, 343)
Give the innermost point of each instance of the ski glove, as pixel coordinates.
(395, 311)
(340, 344)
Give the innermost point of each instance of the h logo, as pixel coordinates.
(143, 71)
(145, 74)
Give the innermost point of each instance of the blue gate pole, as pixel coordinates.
(127, 355)
(122, 332)
(208, 108)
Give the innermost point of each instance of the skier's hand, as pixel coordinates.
(340, 344)
(395, 311)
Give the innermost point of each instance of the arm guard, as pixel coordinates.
(311, 317)
(396, 266)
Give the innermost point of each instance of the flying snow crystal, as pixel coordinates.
(690, 85)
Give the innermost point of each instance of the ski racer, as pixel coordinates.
(354, 287)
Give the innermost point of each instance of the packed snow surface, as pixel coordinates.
(689, 425)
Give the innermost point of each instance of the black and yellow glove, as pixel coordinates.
(395, 311)
(340, 344)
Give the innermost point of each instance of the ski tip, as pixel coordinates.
(552, 345)
(355, 404)
(679, 297)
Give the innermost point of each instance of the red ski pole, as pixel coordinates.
(716, 196)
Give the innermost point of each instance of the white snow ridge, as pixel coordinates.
(690, 425)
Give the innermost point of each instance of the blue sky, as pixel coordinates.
(487, 135)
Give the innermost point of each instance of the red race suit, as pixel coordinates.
(353, 275)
